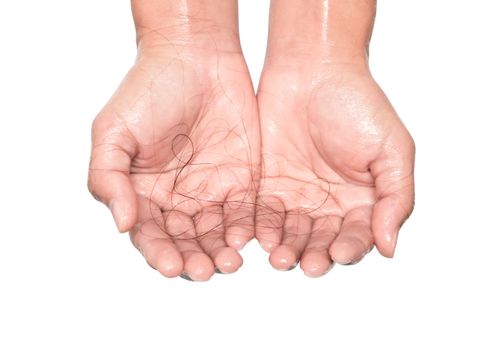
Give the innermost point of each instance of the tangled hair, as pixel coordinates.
(221, 153)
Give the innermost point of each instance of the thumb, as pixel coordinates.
(112, 151)
(394, 181)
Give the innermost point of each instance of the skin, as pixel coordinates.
(341, 180)
(175, 151)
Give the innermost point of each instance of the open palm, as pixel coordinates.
(175, 157)
(337, 167)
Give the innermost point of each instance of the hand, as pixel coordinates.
(175, 157)
(337, 166)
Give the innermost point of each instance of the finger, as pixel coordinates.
(269, 220)
(157, 248)
(355, 238)
(150, 238)
(197, 265)
(296, 234)
(108, 180)
(239, 216)
(316, 260)
(394, 181)
(210, 232)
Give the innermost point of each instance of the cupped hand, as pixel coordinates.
(175, 157)
(338, 166)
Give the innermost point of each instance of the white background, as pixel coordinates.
(68, 280)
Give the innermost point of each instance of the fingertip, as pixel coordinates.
(236, 241)
(199, 267)
(315, 264)
(347, 251)
(387, 243)
(389, 215)
(283, 258)
(268, 246)
(171, 265)
(124, 214)
(228, 260)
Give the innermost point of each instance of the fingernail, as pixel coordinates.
(292, 266)
(345, 262)
(185, 276)
(288, 268)
(216, 270)
(152, 267)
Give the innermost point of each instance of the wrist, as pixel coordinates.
(332, 31)
(315, 55)
(162, 42)
(164, 26)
